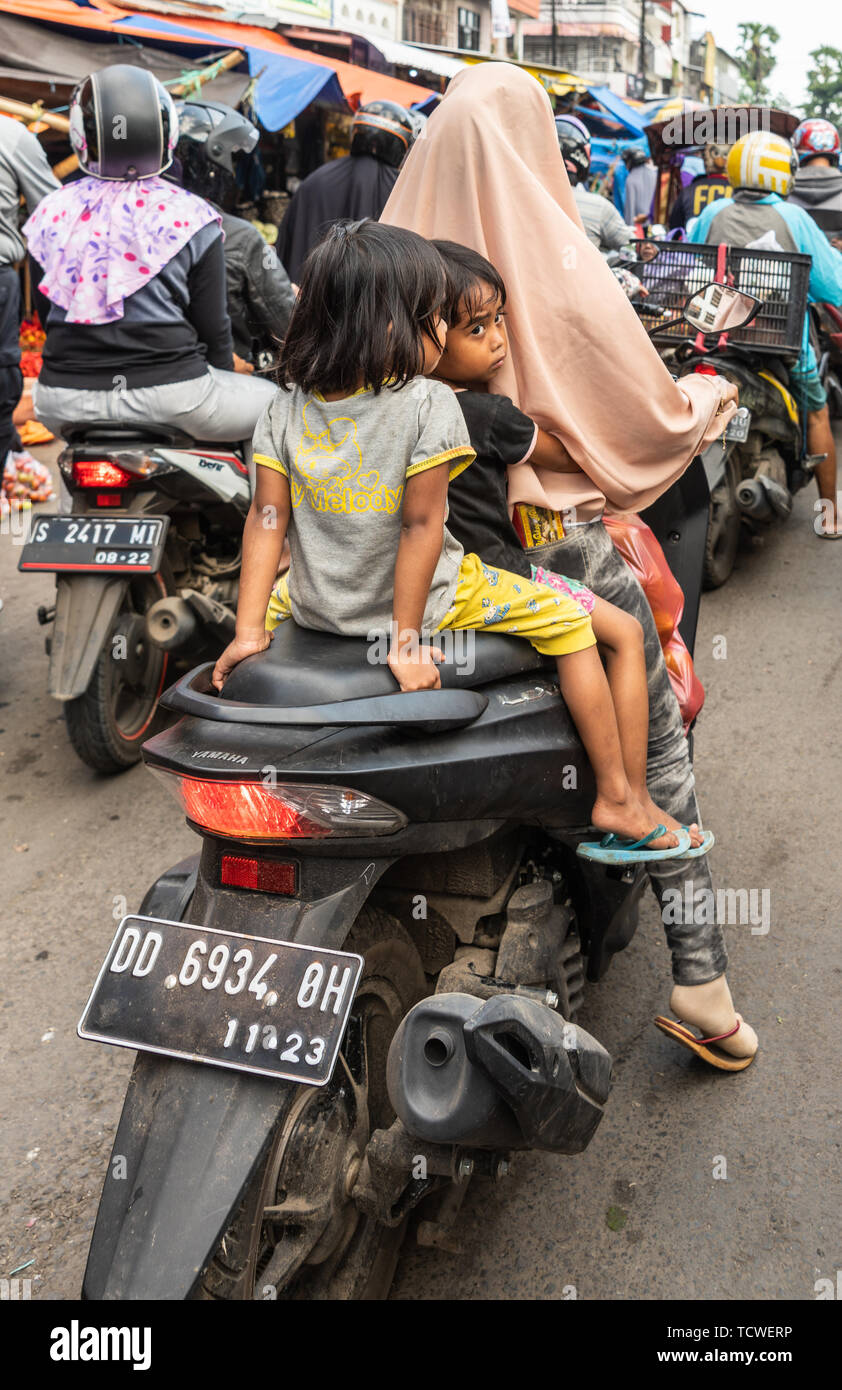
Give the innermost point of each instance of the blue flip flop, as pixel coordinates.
(708, 842)
(614, 849)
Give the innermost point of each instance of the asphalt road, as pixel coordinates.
(641, 1214)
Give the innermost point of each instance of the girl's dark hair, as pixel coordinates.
(467, 272)
(368, 295)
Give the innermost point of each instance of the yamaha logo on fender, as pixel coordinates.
(220, 757)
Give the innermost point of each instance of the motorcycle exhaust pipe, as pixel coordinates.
(753, 500)
(501, 1073)
(171, 623)
(780, 498)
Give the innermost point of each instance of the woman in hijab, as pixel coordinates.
(487, 173)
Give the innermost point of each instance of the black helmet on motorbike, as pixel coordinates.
(209, 137)
(574, 141)
(123, 124)
(634, 156)
(385, 130)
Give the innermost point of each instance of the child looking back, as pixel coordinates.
(502, 436)
(354, 456)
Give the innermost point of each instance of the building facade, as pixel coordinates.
(600, 41)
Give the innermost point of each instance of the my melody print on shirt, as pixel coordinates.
(328, 472)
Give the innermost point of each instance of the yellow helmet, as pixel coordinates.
(763, 161)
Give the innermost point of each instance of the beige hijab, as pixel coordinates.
(487, 172)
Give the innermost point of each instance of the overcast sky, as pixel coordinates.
(802, 24)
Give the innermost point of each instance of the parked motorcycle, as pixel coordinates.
(762, 461)
(361, 993)
(147, 571)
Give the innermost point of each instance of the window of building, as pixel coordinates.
(425, 23)
(468, 29)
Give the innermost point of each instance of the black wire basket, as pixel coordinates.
(778, 278)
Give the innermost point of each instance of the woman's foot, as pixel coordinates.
(625, 816)
(661, 817)
(710, 1008)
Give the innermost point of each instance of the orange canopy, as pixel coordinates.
(359, 85)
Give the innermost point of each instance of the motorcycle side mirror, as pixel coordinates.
(718, 308)
(645, 251)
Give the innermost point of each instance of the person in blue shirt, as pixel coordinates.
(761, 168)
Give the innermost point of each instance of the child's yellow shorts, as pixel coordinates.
(492, 600)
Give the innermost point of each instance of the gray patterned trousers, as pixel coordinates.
(698, 949)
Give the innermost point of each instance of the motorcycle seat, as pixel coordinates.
(303, 667)
(125, 432)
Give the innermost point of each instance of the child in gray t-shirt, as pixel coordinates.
(353, 458)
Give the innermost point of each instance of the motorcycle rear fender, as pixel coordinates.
(191, 1137)
(86, 606)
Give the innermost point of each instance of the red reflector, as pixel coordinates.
(705, 369)
(100, 473)
(261, 874)
(109, 499)
(245, 811)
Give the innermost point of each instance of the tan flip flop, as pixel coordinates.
(680, 1033)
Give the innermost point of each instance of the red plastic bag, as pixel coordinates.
(642, 552)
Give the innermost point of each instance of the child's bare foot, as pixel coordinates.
(661, 817)
(628, 818)
(710, 1008)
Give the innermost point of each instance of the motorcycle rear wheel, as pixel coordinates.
(108, 724)
(297, 1234)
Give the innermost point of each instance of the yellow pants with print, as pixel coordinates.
(492, 600)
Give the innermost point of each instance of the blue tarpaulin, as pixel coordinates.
(285, 86)
(628, 117)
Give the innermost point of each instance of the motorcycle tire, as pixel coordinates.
(108, 724)
(297, 1234)
(723, 534)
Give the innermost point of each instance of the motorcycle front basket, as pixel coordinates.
(778, 279)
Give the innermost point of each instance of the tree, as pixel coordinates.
(757, 59)
(824, 84)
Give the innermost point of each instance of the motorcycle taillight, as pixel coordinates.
(100, 473)
(283, 811)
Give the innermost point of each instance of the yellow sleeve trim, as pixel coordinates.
(269, 462)
(463, 452)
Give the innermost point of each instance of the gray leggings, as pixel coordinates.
(698, 947)
(223, 406)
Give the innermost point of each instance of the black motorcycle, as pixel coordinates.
(147, 571)
(763, 460)
(361, 993)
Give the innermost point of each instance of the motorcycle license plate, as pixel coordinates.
(245, 1002)
(738, 428)
(95, 544)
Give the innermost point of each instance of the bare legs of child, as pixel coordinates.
(620, 639)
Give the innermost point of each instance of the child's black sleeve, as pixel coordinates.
(499, 432)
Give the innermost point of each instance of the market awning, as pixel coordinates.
(407, 55)
(619, 110)
(289, 80)
(45, 64)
